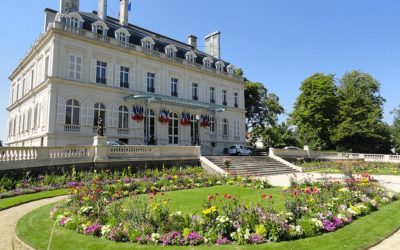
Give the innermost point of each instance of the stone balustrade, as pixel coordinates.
(321, 155)
(30, 157)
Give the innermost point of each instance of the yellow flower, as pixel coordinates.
(186, 232)
(206, 211)
(213, 209)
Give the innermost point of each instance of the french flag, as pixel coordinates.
(130, 6)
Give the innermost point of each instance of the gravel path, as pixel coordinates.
(10, 217)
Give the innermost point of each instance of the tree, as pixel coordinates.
(360, 115)
(395, 129)
(279, 136)
(315, 111)
(262, 108)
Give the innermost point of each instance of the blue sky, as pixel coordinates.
(278, 42)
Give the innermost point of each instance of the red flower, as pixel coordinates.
(227, 196)
(210, 197)
(264, 196)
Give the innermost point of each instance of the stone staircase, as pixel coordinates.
(251, 165)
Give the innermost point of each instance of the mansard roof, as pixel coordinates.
(138, 33)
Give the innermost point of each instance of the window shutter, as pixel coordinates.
(219, 125)
(144, 81)
(231, 130)
(200, 91)
(131, 77)
(61, 110)
(112, 117)
(117, 70)
(44, 110)
(208, 99)
(90, 113)
(181, 89)
(93, 64)
(158, 84)
(83, 112)
(110, 79)
(231, 102)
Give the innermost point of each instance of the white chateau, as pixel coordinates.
(148, 88)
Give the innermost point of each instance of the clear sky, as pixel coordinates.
(278, 43)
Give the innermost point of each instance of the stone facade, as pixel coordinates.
(73, 73)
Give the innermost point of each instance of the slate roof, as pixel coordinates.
(138, 33)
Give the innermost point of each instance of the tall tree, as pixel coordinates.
(315, 110)
(395, 129)
(262, 108)
(360, 115)
(278, 136)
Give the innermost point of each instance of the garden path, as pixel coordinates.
(9, 218)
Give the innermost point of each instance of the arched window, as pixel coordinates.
(100, 28)
(149, 128)
(170, 51)
(231, 69)
(207, 62)
(190, 56)
(36, 120)
(212, 125)
(123, 117)
(225, 127)
(173, 129)
(220, 66)
(122, 35)
(74, 20)
(148, 43)
(72, 112)
(99, 108)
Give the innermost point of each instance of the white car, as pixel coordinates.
(239, 150)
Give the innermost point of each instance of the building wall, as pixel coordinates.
(52, 83)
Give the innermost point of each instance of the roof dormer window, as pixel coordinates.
(220, 66)
(190, 56)
(231, 69)
(207, 62)
(170, 51)
(74, 20)
(148, 43)
(100, 28)
(122, 35)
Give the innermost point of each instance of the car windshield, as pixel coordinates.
(232, 147)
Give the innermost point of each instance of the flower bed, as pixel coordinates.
(358, 167)
(311, 208)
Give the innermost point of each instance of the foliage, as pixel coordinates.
(360, 126)
(395, 129)
(279, 136)
(359, 167)
(315, 111)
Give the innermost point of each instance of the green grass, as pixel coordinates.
(35, 227)
(191, 201)
(21, 199)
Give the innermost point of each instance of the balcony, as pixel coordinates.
(72, 128)
(123, 131)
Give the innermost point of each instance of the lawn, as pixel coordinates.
(35, 228)
(21, 199)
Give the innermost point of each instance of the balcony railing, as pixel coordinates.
(123, 131)
(174, 94)
(129, 46)
(72, 128)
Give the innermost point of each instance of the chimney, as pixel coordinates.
(69, 5)
(102, 11)
(213, 44)
(192, 41)
(123, 12)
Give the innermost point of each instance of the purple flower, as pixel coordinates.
(328, 225)
(63, 220)
(338, 222)
(256, 239)
(171, 238)
(194, 238)
(94, 229)
(222, 241)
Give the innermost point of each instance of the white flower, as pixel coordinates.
(222, 219)
(177, 213)
(155, 237)
(247, 234)
(105, 230)
(317, 222)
